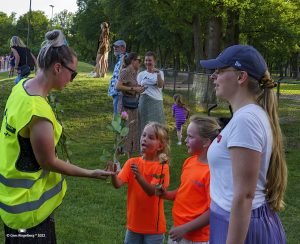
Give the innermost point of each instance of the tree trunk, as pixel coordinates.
(232, 28)
(213, 50)
(214, 37)
(295, 65)
(198, 42)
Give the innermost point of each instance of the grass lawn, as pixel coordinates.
(93, 211)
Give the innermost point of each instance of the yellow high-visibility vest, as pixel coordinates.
(27, 197)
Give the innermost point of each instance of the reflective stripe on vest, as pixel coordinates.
(29, 206)
(21, 183)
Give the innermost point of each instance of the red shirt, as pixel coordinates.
(142, 210)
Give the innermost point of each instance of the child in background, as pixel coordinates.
(146, 221)
(180, 112)
(192, 199)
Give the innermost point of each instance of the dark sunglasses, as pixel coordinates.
(73, 72)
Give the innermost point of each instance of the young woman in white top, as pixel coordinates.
(247, 163)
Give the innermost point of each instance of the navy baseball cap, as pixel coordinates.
(240, 57)
(119, 43)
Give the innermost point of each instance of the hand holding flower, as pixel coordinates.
(160, 190)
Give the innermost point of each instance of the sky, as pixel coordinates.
(22, 6)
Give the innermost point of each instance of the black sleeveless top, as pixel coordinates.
(25, 56)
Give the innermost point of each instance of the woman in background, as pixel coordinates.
(151, 106)
(23, 57)
(128, 85)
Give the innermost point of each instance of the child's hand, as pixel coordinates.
(135, 170)
(114, 168)
(177, 233)
(160, 190)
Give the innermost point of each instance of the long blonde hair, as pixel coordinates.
(277, 172)
(16, 41)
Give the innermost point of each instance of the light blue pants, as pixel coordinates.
(117, 103)
(137, 238)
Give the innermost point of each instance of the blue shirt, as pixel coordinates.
(112, 91)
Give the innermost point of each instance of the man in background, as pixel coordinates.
(119, 48)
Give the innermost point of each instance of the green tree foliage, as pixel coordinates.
(39, 24)
(181, 32)
(86, 29)
(64, 21)
(6, 30)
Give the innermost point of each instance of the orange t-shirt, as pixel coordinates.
(192, 198)
(142, 210)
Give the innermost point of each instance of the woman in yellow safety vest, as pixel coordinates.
(31, 182)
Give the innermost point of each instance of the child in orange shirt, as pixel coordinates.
(192, 200)
(146, 221)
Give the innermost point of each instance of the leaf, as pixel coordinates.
(117, 118)
(104, 158)
(109, 127)
(158, 176)
(124, 131)
(116, 126)
(106, 153)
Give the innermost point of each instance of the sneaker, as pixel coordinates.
(92, 74)
(179, 143)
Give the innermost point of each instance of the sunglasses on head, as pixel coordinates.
(73, 72)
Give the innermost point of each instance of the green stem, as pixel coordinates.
(160, 182)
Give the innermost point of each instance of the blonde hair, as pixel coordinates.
(55, 49)
(104, 38)
(162, 134)
(16, 41)
(208, 127)
(277, 172)
(178, 99)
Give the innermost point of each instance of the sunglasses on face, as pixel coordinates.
(73, 72)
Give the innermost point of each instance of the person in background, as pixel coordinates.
(128, 85)
(247, 161)
(151, 106)
(32, 184)
(146, 221)
(119, 51)
(104, 49)
(23, 57)
(180, 112)
(192, 199)
(102, 52)
(11, 64)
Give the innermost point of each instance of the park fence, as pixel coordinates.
(197, 88)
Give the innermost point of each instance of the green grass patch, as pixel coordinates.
(93, 211)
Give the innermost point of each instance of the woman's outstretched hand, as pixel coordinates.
(101, 174)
